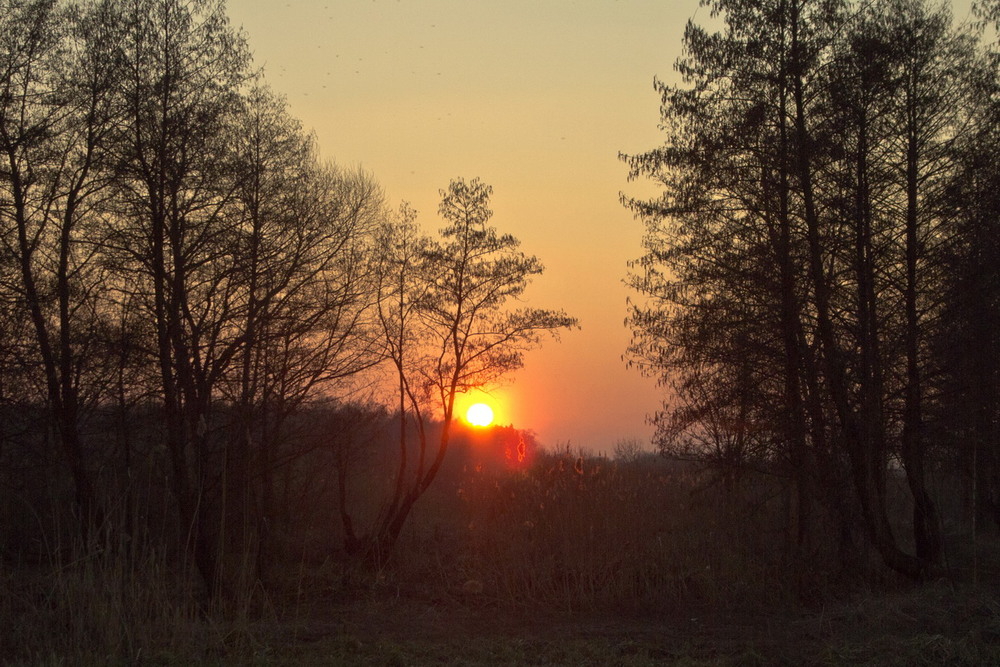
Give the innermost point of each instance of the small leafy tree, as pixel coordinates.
(448, 328)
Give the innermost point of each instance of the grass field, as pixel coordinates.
(572, 562)
(934, 624)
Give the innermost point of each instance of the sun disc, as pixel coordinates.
(479, 414)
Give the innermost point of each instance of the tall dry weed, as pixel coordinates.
(113, 600)
(581, 532)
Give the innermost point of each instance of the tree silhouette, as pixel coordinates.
(448, 328)
(813, 138)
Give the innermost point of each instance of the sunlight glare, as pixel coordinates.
(479, 414)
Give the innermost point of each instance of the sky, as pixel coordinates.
(536, 98)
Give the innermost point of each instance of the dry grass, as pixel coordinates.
(96, 608)
(569, 561)
(112, 603)
(577, 533)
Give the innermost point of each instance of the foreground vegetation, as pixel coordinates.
(563, 559)
(918, 628)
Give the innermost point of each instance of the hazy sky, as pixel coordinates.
(536, 98)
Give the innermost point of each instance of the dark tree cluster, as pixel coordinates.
(819, 290)
(185, 284)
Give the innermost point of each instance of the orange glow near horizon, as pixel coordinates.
(523, 96)
(479, 414)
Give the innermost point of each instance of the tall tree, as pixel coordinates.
(184, 69)
(966, 413)
(810, 136)
(447, 328)
(936, 66)
(732, 207)
(305, 295)
(57, 114)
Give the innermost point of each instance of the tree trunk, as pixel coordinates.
(869, 494)
(926, 530)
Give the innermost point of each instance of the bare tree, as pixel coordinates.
(447, 328)
(303, 250)
(184, 67)
(57, 117)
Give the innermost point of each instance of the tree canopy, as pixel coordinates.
(800, 263)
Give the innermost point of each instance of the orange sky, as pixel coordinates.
(536, 98)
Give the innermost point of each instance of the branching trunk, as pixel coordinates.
(859, 448)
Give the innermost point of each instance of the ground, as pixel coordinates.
(933, 625)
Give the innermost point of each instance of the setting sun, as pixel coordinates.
(479, 414)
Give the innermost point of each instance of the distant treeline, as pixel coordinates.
(821, 284)
(334, 459)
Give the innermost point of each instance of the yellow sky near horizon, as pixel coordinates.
(536, 98)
